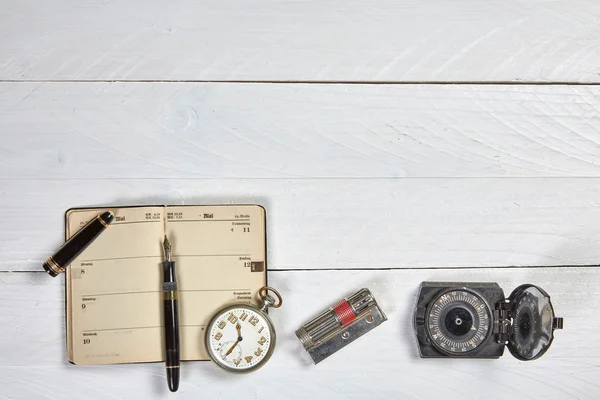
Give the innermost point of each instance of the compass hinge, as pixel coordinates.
(502, 323)
(557, 323)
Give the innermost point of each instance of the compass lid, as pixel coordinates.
(533, 322)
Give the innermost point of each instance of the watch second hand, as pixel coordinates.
(239, 339)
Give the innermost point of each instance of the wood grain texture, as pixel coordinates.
(187, 130)
(377, 182)
(385, 40)
(383, 363)
(346, 223)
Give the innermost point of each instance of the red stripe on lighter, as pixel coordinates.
(344, 312)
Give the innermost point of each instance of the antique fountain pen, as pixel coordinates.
(171, 318)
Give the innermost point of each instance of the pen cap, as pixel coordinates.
(52, 268)
(57, 263)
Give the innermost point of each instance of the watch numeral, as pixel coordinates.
(262, 340)
(238, 362)
(258, 352)
(222, 324)
(243, 316)
(253, 320)
(218, 336)
(232, 318)
(248, 359)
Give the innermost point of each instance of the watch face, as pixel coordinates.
(240, 338)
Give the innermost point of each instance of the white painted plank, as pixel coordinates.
(347, 223)
(177, 130)
(458, 40)
(384, 363)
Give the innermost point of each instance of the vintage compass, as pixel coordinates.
(476, 320)
(241, 337)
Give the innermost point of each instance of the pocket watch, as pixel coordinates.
(241, 337)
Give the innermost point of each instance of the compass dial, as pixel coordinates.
(458, 321)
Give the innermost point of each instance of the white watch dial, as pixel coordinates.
(239, 339)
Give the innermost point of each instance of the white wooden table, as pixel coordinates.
(391, 142)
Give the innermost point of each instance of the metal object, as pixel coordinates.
(241, 338)
(475, 320)
(458, 321)
(340, 325)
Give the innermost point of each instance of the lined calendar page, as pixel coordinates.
(114, 298)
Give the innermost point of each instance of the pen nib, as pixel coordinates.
(167, 247)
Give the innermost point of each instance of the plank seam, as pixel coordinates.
(586, 266)
(307, 82)
(297, 178)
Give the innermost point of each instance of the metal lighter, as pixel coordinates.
(340, 325)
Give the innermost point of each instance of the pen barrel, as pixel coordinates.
(171, 323)
(57, 263)
(171, 328)
(172, 357)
